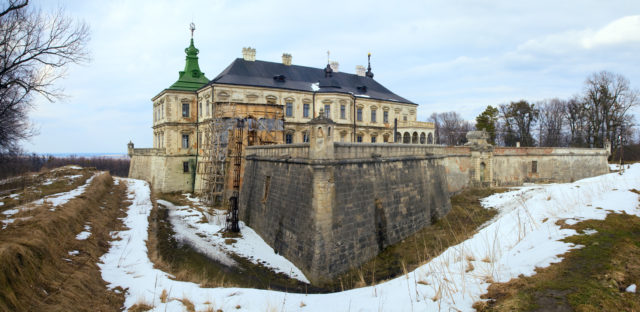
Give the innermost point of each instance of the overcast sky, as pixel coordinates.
(444, 55)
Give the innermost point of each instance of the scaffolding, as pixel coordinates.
(221, 167)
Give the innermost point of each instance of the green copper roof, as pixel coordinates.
(191, 78)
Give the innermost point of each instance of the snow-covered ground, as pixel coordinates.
(207, 238)
(523, 236)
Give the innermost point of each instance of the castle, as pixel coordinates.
(308, 154)
(195, 120)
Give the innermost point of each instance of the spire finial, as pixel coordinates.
(369, 73)
(192, 27)
(328, 56)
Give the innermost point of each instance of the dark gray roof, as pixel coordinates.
(301, 78)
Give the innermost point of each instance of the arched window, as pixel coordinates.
(385, 138)
(423, 138)
(398, 137)
(414, 138)
(483, 168)
(406, 138)
(430, 139)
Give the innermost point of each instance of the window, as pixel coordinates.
(373, 115)
(327, 110)
(185, 110)
(289, 109)
(534, 166)
(404, 117)
(373, 139)
(359, 138)
(385, 138)
(288, 138)
(208, 108)
(359, 114)
(305, 137)
(305, 110)
(185, 166)
(385, 116)
(343, 112)
(185, 141)
(200, 109)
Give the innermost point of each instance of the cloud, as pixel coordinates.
(620, 31)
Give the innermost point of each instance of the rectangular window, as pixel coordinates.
(185, 141)
(534, 166)
(404, 117)
(200, 109)
(385, 116)
(305, 137)
(359, 139)
(359, 114)
(185, 166)
(305, 110)
(327, 110)
(343, 112)
(373, 115)
(289, 109)
(373, 139)
(208, 108)
(185, 110)
(288, 138)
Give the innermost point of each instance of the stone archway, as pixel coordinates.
(406, 138)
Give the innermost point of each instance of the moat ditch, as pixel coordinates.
(188, 263)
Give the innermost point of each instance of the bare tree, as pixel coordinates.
(35, 49)
(607, 100)
(551, 122)
(451, 128)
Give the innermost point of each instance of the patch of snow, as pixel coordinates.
(631, 288)
(207, 238)
(84, 234)
(62, 198)
(315, 86)
(74, 253)
(589, 231)
(10, 212)
(522, 237)
(6, 223)
(362, 95)
(48, 182)
(14, 196)
(1, 203)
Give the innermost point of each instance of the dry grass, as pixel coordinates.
(34, 275)
(140, 306)
(592, 278)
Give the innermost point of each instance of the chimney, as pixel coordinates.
(249, 54)
(286, 59)
(334, 66)
(360, 70)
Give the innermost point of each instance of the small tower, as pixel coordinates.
(191, 78)
(369, 72)
(130, 148)
(321, 132)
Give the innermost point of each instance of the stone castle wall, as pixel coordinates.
(328, 216)
(329, 207)
(164, 172)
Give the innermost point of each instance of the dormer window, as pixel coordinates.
(279, 78)
(362, 89)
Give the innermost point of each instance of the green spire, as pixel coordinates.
(191, 78)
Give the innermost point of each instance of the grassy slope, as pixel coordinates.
(592, 278)
(34, 275)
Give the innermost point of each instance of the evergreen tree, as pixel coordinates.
(487, 121)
